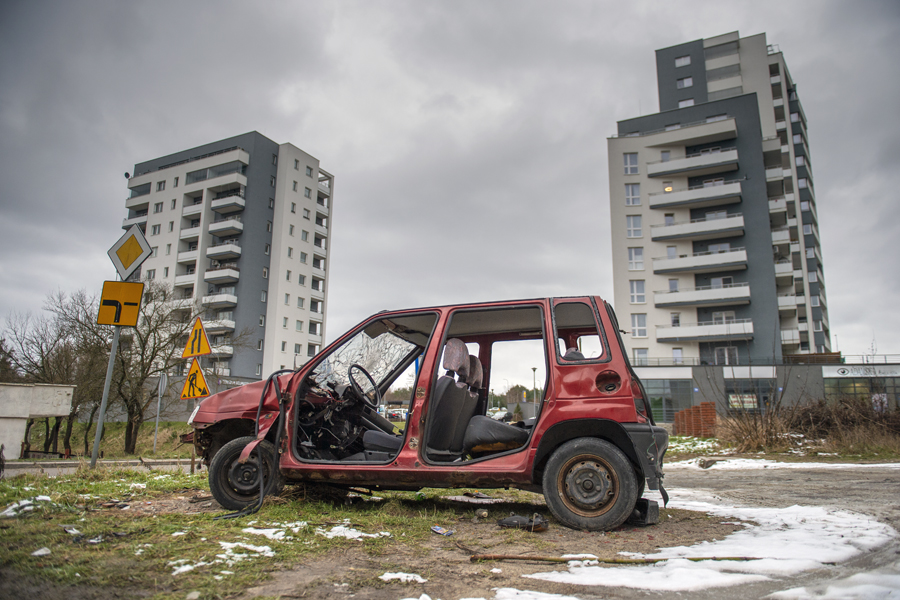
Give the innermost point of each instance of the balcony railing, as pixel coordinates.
(698, 196)
(738, 329)
(734, 259)
(725, 295)
(700, 229)
(703, 163)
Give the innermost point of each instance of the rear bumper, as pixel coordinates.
(650, 443)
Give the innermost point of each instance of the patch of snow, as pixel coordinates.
(818, 534)
(883, 583)
(403, 577)
(272, 534)
(736, 464)
(178, 533)
(140, 486)
(496, 570)
(348, 532)
(514, 594)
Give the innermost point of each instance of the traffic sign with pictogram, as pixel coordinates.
(198, 343)
(120, 303)
(195, 384)
(129, 252)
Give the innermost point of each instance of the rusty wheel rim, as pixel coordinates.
(588, 485)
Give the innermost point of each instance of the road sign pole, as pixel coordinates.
(163, 382)
(106, 385)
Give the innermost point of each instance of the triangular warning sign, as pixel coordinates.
(195, 384)
(198, 343)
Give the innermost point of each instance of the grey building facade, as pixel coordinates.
(241, 228)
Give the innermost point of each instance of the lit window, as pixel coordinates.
(636, 287)
(631, 163)
(682, 61)
(685, 82)
(686, 103)
(635, 259)
(158, 207)
(632, 194)
(639, 325)
(633, 226)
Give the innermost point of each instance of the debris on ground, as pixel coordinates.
(403, 577)
(534, 524)
(442, 531)
(23, 506)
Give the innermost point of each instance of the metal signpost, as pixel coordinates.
(120, 305)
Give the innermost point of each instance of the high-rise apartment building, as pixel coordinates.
(241, 227)
(716, 252)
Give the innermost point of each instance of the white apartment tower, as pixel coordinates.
(715, 237)
(242, 227)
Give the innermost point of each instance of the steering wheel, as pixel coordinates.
(358, 390)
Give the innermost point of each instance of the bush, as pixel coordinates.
(848, 425)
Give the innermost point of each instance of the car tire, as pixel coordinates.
(236, 486)
(590, 485)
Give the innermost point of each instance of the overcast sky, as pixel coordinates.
(468, 139)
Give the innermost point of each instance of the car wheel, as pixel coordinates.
(590, 485)
(236, 486)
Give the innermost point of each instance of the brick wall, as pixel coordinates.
(697, 421)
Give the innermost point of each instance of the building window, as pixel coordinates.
(810, 253)
(631, 163)
(160, 186)
(635, 259)
(175, 184)
(297, 348)
(639, 325)
(803, 183)
(804, 205)
(290, 230)
(269, 226)
(727, 355)
(303, 257)
(312, 349)
(294, 189)
(267, 249)
(259, 369)
(814, 301)
(632, 194)
(158, 207)
(800, 161)
(686, 103)
(304, 235)
(264, 296)
(315, 306)
(315, 328)
(153, 251)
(259, 345)
(293, 207)
(168, 249)
(154, 230)
(283, 346)
(171, 226)
(633, 226)
(636, 288)
(678, 356)
(265, 272)
(797, 138)
(272, 181)
(721, 282)
(807, 229)
(723, 317)
(151, 274)
(817, 325)
(274, 159)
(284, 323)
(288, 276)
(675, 319)
(682, 61)
(813, 277)
(307, 192)
(174, 202)
(301, 279)
(309, 171)
(271, 202)
(296, 165)
(290, 252)
(719, 248)
(262, 322)
(299, 302)
(305, 213)
(640, 357)
(669, 219)
(287, 298)
(671, 252)
(795, 117)
(684, 82)
(299, 326)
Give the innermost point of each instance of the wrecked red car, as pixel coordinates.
(589, 446)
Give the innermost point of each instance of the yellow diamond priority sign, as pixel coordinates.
(195, 384)
(198, 343)
(129, 252)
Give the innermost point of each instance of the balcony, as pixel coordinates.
(191, 233)
(220, 300)
(230, 226)
(781, 236)
(698, 196)
(699, 229)
(703, 262)
(140, 219)
(696, 165)
(784, 272)
(219, 325)
(188, 279)
(228, 204)
(730, 295)
(706, 131)
(188, 257)
(192, 209)
(222, 274)
(739, 329)
(788, 303)
(224, 251)
(790, 337)
(138, 203)
(324, 187)
(222, 350)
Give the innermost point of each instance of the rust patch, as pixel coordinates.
(414, 443)
(420, 392)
